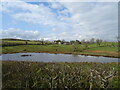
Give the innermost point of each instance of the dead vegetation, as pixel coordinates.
(59, 75)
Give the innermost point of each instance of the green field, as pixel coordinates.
(35, 75)
(109, 49)
(17, 41)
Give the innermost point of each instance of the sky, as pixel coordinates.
(59, 20)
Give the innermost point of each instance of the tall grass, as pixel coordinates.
(59, 75)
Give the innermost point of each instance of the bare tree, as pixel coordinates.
(42, 41)
(92, 40)
(99, 41)
(83, 41)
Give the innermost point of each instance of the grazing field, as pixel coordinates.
(15, 42)
(92, 49)
(59, 75)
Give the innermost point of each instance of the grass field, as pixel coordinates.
(12, 42)
(92, 49)
(59, 75)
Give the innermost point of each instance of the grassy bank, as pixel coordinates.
(92, 49)
(59, 75)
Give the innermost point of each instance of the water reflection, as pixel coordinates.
(46, 57)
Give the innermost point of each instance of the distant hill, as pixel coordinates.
(13, 39)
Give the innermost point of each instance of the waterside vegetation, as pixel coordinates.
(35, 75)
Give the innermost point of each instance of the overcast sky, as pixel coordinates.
(59, 20)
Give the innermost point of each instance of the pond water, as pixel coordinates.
(46, 57)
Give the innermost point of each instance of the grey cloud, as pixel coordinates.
(87, 20)
(22, 34)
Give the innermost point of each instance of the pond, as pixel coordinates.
(46, 57)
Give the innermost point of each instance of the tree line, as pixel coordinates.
(43, 42)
